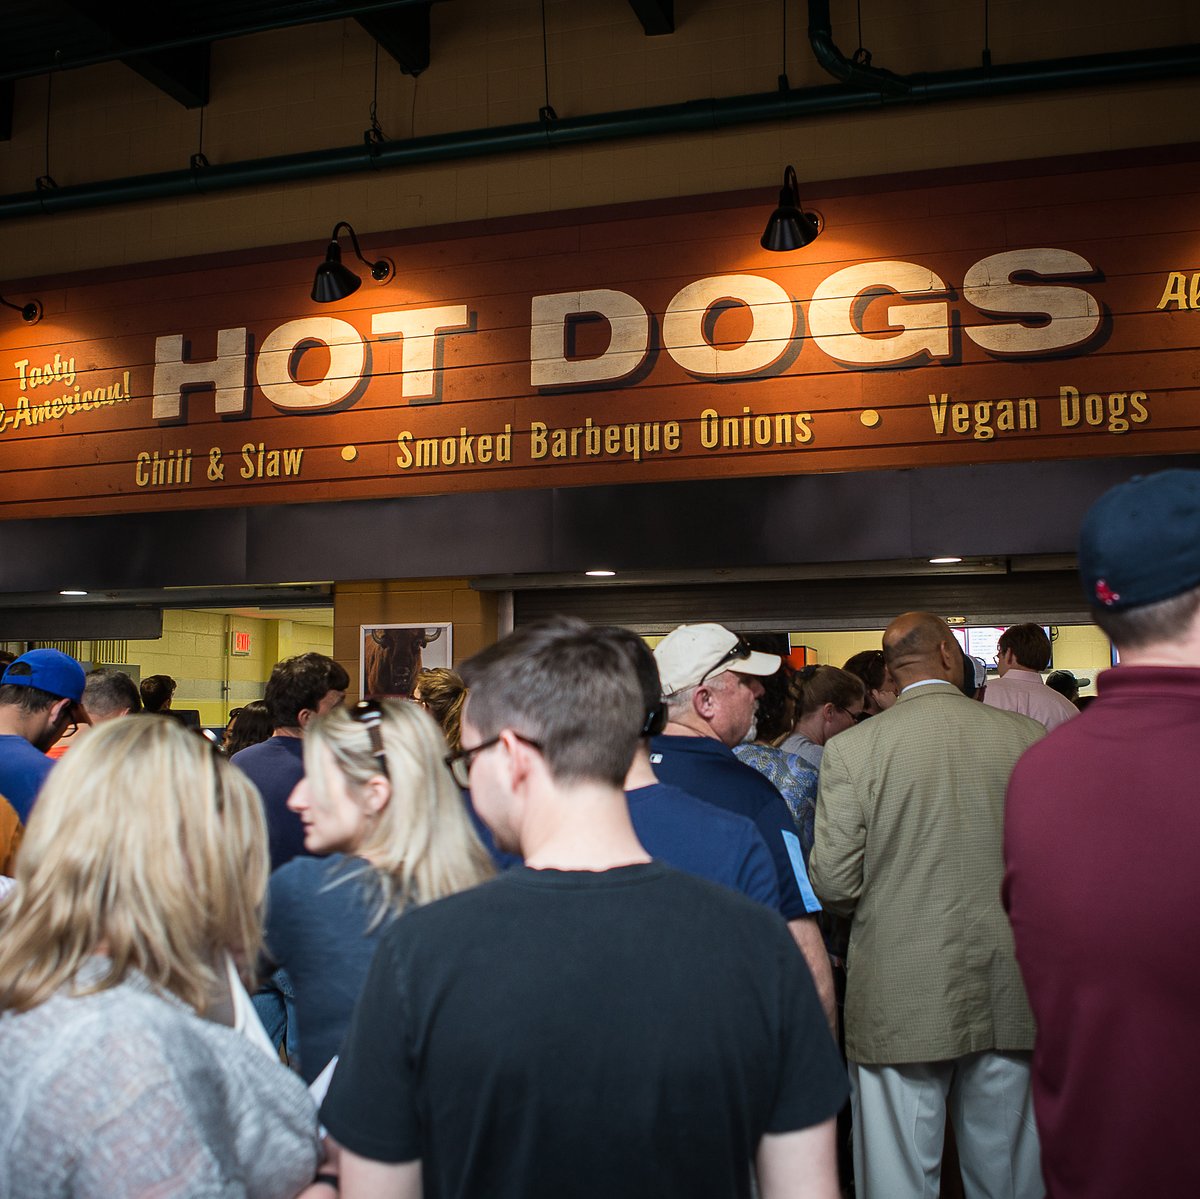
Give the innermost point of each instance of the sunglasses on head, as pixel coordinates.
(369, 713)
(740, 652)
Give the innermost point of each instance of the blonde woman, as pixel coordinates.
(377, 798)
(138, 884)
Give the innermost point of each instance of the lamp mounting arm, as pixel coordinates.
(31, 313)
(381, 269)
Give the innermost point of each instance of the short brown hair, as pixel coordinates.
(1167, 620)
(569, 688)
(1028, 644)
(302, 682)
(28, 699)
(156, 690)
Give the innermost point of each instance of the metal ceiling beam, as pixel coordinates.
(180, 72)
(29, 64)
(403, 33)
(657, 16)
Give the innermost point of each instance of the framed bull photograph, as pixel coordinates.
(392, 655)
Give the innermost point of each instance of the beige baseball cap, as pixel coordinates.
(695, 652)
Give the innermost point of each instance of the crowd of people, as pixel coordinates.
(586, 919)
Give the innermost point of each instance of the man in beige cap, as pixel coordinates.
(710, 682)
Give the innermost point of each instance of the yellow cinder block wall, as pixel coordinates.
(194, 651)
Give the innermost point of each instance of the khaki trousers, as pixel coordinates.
(900, 1127)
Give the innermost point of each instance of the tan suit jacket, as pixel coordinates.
(909, 823)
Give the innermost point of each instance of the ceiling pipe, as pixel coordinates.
(690, 117)
(855, 74)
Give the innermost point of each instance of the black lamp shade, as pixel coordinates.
(789, 229)
(333, 281)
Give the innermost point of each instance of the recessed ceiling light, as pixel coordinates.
(72, 593)
(599, 574)
(948, 561)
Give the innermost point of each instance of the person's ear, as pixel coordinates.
(377, 794)
(950, 654)
(304, 716)
(702, 701)
(519, 757)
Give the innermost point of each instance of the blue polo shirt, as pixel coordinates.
(701, 839)
(23, 770)
(705, 768)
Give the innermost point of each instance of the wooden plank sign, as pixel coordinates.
(1002, 316)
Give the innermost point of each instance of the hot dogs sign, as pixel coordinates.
(616, 350)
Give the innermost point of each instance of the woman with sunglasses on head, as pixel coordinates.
(378, 799)
(138, 887)
(825, 701)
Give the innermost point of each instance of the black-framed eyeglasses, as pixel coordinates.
(739, 653)
(460, 761)
(857, 717)
(369, 713)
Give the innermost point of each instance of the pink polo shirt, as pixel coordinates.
(1023, 691)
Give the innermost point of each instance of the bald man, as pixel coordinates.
(909, 822)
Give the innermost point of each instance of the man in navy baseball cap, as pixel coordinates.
(41, 696)
(1101, 829)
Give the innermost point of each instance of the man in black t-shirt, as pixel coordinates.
(593, 1023)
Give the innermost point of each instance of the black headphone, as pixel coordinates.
(655, 722)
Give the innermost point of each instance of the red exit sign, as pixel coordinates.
(239, 644)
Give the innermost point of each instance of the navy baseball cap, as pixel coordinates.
(1140, 541)
(1065, 681)
(52, 671)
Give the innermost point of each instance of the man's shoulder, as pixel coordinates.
(272, 747)
(274, 756)
(664, 798)
(703, 748)
(528, 890)
(14, 748)
(1005, 724)
(1063, 747)
(710, 758)
(936, 711)
(677, 804)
